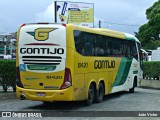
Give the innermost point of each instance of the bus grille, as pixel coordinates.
(42, 60)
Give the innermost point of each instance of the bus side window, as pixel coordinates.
(84, 43)
(134, 52)
(99, 46)
(117, 48)
(139, 52)
(89, 44)
(107, 50)
(128, 51)
(110, 46)
(123, 48)
(79, 44)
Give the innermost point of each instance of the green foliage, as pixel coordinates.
(151, 69)
(149, 32)
(152, 45)
(153, 10)
(8, 74)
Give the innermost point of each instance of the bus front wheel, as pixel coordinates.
(134, 85)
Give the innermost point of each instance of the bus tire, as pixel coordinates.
(91, 94)
(99, 93)
(132, 89)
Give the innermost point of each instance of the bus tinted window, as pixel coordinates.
(89, 44)
(134, 52)
(99, 46)
(84, 43)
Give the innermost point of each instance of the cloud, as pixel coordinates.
(116, 11)
(48, 15)
(122, 12)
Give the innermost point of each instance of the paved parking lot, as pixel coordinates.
(141, 100)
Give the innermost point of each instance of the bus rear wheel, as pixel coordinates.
(99, 93)
(91, 94)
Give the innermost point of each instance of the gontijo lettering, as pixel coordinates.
(102, 64)
(41, 51)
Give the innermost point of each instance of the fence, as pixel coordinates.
(151, 70)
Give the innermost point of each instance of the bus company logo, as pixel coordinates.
(41, 34)
(6, 114)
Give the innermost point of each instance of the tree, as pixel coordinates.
(149, 33)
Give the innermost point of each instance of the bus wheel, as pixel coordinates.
(99, 93)
(132, 89)
(91, 93)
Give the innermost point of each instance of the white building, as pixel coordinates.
(7, 45)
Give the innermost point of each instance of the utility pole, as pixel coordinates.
(5, 46)
(99, 23)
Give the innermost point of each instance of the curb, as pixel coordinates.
(154, 84)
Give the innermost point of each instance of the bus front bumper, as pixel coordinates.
(45, 95)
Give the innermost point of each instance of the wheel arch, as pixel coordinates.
(135, 79)
(94, 84)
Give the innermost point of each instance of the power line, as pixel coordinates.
(123, 24)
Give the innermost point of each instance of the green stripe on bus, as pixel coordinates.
(129, 38)
(126, 71)
(123, 71)
(120, 72)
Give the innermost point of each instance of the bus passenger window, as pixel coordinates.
(99, 45)
(134, 52)
(128, 52)
(84, 43)
(107, 51)
(79, 43)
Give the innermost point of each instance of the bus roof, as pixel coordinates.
(131, 37)
(108, 32)
(104, 31)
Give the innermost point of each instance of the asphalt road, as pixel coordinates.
(141, 100)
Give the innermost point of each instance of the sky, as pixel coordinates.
(13, 13)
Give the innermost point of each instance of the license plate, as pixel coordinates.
(42, 94)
